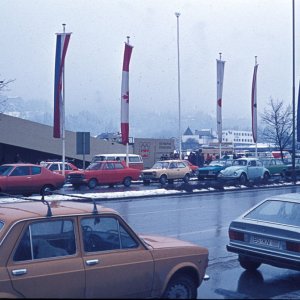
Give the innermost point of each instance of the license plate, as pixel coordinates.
(264, 241)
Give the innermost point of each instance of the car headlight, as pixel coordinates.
(235, 174)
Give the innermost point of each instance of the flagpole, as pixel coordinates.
(127, 144)
(220, 142)
(256, 110)
(177, 14)
(63, 117)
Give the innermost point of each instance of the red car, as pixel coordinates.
(28, 179)
(104, 173)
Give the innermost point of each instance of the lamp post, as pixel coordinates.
(177, 14)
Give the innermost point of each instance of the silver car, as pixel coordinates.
(268, 233)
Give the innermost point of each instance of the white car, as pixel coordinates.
(245, 169)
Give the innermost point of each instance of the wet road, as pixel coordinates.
(204, 220)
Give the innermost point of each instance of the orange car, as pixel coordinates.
(28, 179)
(81, 250)
(104, 173)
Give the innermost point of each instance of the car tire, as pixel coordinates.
(92, 183)
(248, 264)
(266, 177)
(243, 179)
(127, 181)
(186, 178)
(181, 287)
(163, 180)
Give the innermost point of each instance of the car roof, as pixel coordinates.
(11, 212)
(173, 160)
(21, 164)
(295, 197)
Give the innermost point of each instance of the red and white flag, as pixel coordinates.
(62, 42)
(220, 76)
(254, 105)
(125, 95)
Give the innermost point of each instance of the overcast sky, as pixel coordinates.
(240, 29)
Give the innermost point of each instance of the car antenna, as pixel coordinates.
(49, 212)
(95, 210)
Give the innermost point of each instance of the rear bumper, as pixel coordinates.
(267, 257)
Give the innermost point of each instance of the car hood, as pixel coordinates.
(231, 170)
(158, 242)
(152, 170)
(211, 168)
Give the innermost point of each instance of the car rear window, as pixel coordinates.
(282, 212)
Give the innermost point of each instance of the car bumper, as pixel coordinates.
(267, 257)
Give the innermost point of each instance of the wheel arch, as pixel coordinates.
(186, 270)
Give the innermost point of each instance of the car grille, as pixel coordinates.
(75, 177)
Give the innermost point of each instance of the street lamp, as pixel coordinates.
(177, 14)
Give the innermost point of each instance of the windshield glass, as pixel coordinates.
(5, 170)
(276, 211)
(160, 165)
(240, 162)
(94, 166)
(217, 163)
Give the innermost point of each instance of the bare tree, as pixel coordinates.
(278, 121)
(3, 87)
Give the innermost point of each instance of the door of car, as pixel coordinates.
(173, 171)
(46, 262)
(19, 180)
(117, 264)
(253, 171)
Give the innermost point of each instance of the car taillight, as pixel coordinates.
(236, 235)
(292, 246)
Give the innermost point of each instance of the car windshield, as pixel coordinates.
(282, 212)
(160, 165)
(240, 162)
(94, 166)
(5, 170)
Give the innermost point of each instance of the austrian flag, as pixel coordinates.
(125, 95)
(62, 42)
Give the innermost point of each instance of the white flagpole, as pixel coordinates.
(63, 118)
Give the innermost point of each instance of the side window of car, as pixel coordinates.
(172, 165)
(21, 171)
(181, 165)
(104, 234)
(35, 170)
(118, 165)
(110, 166)
(46, 239)
(67, 167)
(54, 167)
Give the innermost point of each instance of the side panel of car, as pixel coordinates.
(46, 269)
(110, 250)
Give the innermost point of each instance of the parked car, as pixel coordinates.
(245, 169)
(192, 167)
(212, 170)
(268, 233)
(275, 165)
(289, 168)
(134, 160)
(81, 250)
(57, 166)
(28, 179)
(166, 171)
(104, 173)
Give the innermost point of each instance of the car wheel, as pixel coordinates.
(248, 264)
(266, 177)
(181, 287)
(186, 178)
(127, 181)
(92, 183)
(243, 178)
(163, 179)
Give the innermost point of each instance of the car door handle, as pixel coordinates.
(92, 262)
(19, 272)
